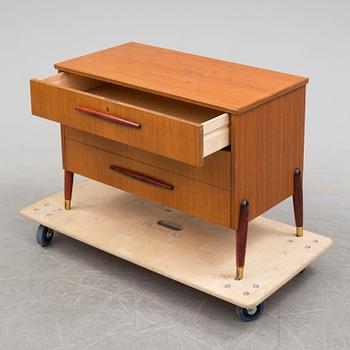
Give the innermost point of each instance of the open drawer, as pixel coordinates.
(168, 127)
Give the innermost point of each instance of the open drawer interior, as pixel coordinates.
(176, 129)
(215, 123)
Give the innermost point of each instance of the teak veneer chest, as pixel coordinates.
(218, 140)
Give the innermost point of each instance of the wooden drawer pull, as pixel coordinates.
(108, 117)
(141, 177)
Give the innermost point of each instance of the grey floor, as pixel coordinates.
(72, 296)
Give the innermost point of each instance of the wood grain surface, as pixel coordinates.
(265, 128)
(192, 197)
(298, 198)
(68, 184)
(215, 170)
(169, 137)
(179, 135)
(242, 234)
(267, 146)
(206, 81)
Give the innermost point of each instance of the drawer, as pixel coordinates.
(190, 196)
(164, 126)
(215, 170)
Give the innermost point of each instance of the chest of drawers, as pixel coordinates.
(217, 140)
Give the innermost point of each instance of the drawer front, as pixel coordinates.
(215, 170)
(190, 196)
(172, 137)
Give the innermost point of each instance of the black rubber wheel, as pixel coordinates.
(44, 235)
(248, 315)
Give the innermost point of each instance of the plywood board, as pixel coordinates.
(201, 255)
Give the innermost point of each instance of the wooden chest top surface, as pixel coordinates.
(210, 82)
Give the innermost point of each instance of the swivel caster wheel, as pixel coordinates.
(248, 315)
(44, 235)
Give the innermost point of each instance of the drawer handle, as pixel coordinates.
(141, 177)
(108, 117)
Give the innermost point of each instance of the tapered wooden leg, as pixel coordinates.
(242, 232)
(298, 202)
(68, 187)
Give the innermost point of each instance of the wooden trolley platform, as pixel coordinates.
(186, 249)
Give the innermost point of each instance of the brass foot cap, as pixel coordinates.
(67, 204)
(239, 273)
(299, 231)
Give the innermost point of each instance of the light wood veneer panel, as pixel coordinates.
(192, 197)
(215, 170)
(267, 146)
(206, 81)
(175, 129)
(169, 137)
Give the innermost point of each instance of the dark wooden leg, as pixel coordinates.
(68, 187)
(298, 202)
(242, 232)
